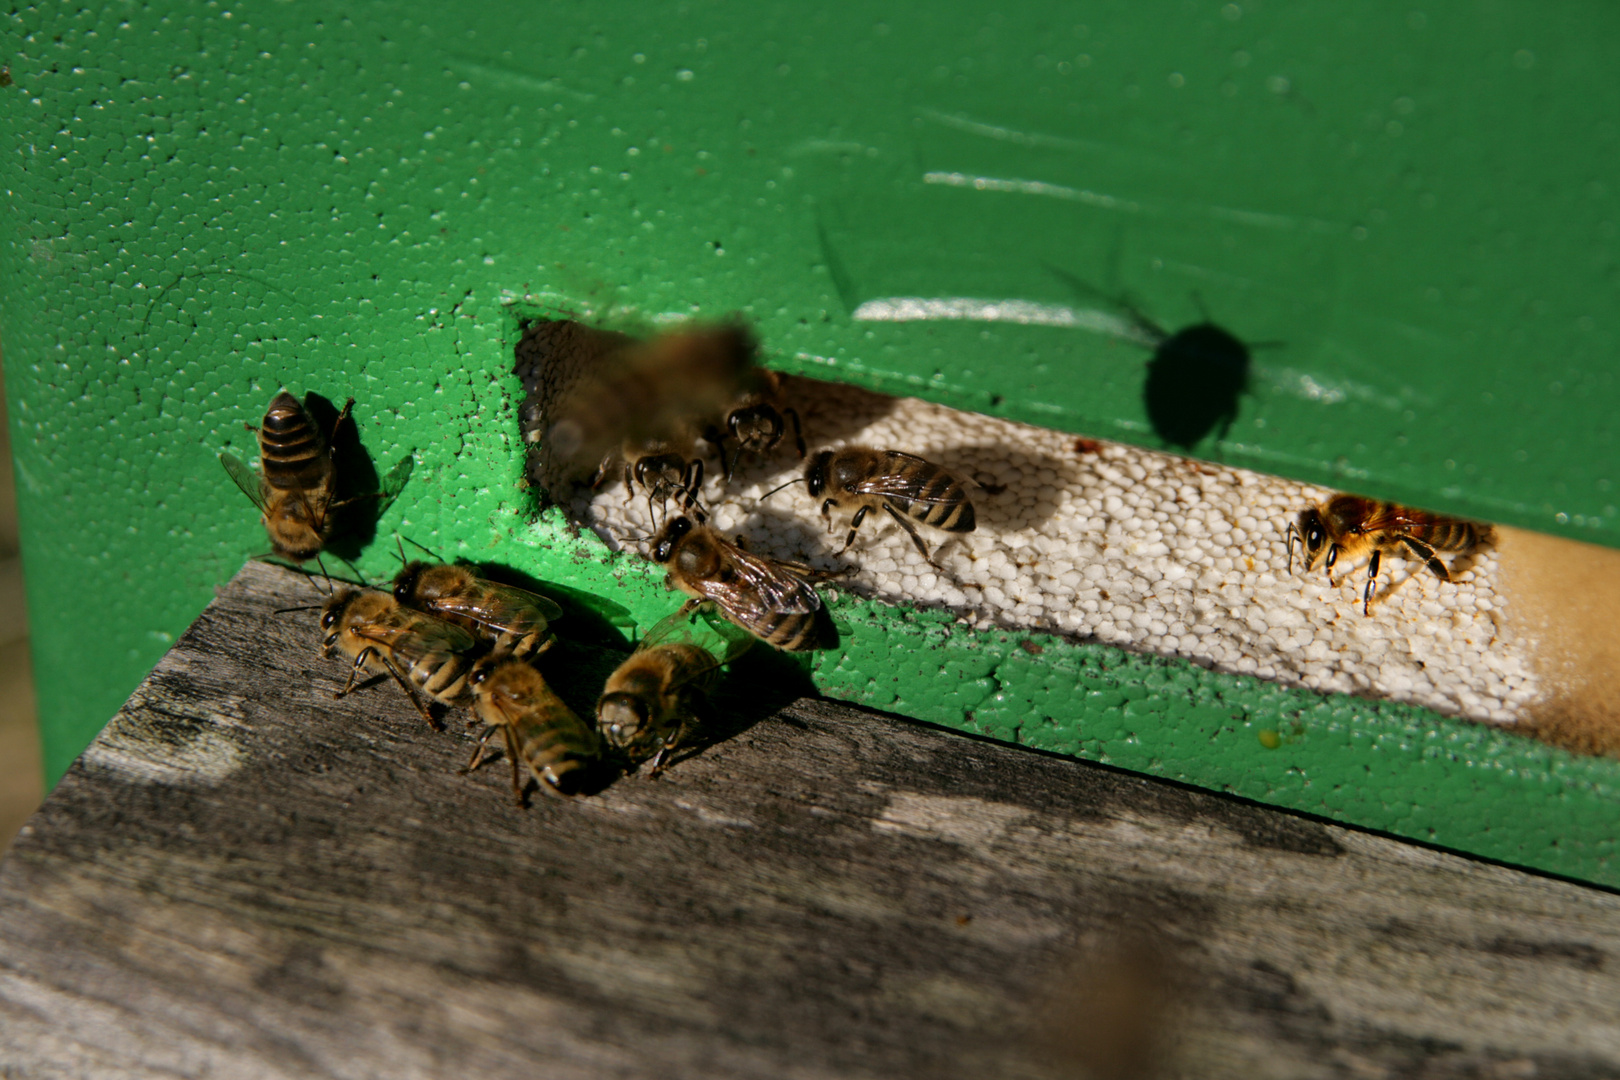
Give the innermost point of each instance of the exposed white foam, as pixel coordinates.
(1134, 548)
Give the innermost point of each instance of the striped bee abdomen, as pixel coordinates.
(443, 676)
(291, 448)
(791, 631)
(939, 499)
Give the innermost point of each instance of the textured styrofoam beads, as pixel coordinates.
(1138, 549)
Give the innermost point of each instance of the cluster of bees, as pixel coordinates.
(640, 413)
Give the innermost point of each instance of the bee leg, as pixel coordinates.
(905, 523)
(338, 423)
(855, 523)
(691, 483)
(359, 662)
(711, 435)
(1333, 557)
(410, 692)
(511, 752)
(1372, 582)
(826, 514)
(656, 765)
(478, 753)
(798, 432)
(1426, 553)
(1293, 534)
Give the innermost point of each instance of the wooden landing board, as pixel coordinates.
(246, 878)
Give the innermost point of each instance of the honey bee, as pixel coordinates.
(771, 600)
(297, 480)
(384, 637)
(662, 468)
(559, 748)
(756, 422)
(902, 485)
(1350, 525)
(650, 699)
(515, 621)
(647, 392)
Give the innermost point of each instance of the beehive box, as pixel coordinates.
(1407, 217)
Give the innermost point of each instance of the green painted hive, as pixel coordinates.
(1410, 215)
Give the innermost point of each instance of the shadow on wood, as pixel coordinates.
(243, 876)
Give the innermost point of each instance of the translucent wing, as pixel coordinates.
(1398, 518)
(416, 635)
(394, 482)
(757, 589)
(704, 628)
(246, 479)
(500, 607)
(891, 485)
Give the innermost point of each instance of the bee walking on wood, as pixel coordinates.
(516, 622)
(756, 423)
(295, 487)
(650, 700)
(416, 649)
(648, 392)
(770, 599)
(902, 485)
(1350, 526)
(559, 748)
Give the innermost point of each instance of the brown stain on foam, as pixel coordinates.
(1564, 602)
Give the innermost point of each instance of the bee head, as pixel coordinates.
(815, 473)
(664, 548)
(332, 611)
(405, 581)
(622, 718)
(481, 671)
(1312, 535)
(756, 426)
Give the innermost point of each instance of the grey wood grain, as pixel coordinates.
(246, 878)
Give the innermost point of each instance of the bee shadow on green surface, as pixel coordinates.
(761, 683)
(587, 617)
(357, 479)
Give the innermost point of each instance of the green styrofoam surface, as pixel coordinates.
(1412, 211)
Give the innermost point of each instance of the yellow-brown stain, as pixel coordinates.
(1564, 602)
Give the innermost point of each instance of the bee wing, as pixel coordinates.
(246, 479)
(1392, 517)
(890, 485)
(704, 628)
(394, 482)
(422, 634)
(499, 607)
(759, 589)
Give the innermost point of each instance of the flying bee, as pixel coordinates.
(416, 649)
(651, 698)
(515, 621)
(902, 485)
(771, 600)
(647, 392)
(1351, 526)
(295, 487)
(559, 748)
(756, 422)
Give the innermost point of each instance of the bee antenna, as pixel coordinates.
(414, 544)
(774, 490)
(306, 607)
(322, 564)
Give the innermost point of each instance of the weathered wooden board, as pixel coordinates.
(246, 878)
